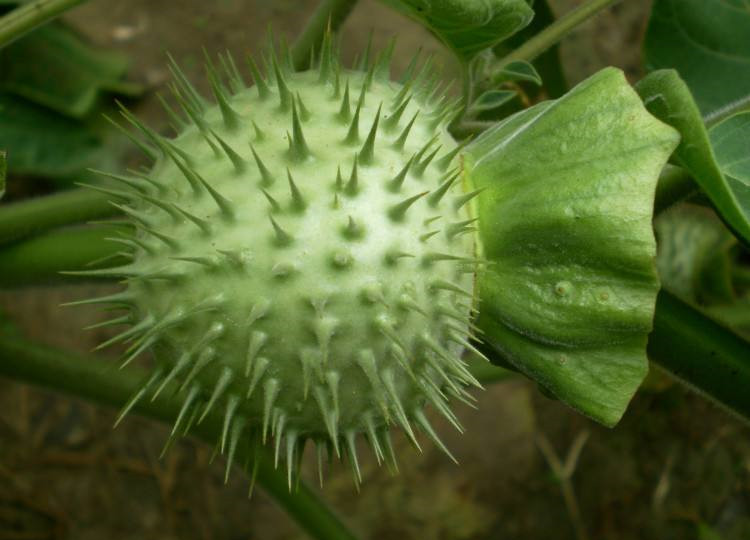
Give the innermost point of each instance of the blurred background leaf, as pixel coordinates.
(55, 68)
(708, 42)
(54, 89)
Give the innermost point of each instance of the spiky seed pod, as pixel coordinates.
(301, 264)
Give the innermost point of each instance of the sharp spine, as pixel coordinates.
(461, 200)
(265, 175)
(283, 238)
(298, 148)
(352, 185)
(398, 211)
(240, 165)
(298, 201)
(391, 123)
(399, 143)
(436, 196)
(222, 384)
(367, 153)
(260, 82)
(270, 392)
(395, 184)
(420, 167)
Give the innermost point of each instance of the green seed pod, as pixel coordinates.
(304, 257)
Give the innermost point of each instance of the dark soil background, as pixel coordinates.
(675, 468)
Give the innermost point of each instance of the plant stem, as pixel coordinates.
(96, 380)
(675, 184)
(30, 15)
(335, 11)
(702, 353)
(21, 219)
(554, 33)
(39, 260)
(730, 109)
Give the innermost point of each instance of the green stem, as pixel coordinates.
(95, 380)
(335, 11)
(675, 184)
(719, 115)
(30, 15)
(40, 259)
(702, 353)
(554, 33)
(21, 219)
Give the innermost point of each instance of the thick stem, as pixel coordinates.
(335, 11)
(21, 219)
(702, 353)
(41, 259)
(95, 380)
(554, 33)
(30, 15)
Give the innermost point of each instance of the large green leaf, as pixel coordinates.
(731, 142)
(55, 68)
(667, 96)
(565, 220)
(468, 26)
(708, 42)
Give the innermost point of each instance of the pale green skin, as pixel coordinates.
(327, 296)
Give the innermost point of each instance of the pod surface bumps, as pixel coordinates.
(304, 256)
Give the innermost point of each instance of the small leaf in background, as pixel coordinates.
(731, 142)
(491, 99)
(708, 42)
(667, 97)
(518, 71)
(55, 68)
(548, 63)
(3, 172)
(565, 220)
(468, 26)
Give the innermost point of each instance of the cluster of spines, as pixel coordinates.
(140, 188)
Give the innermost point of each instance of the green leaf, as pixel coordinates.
(667, 96)
(42, 143)
(565, 221)
(468, 26)
(731, 142)
(518, 70)
(55, 68)
(708, 42)
(3, 172)
(491, 99)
